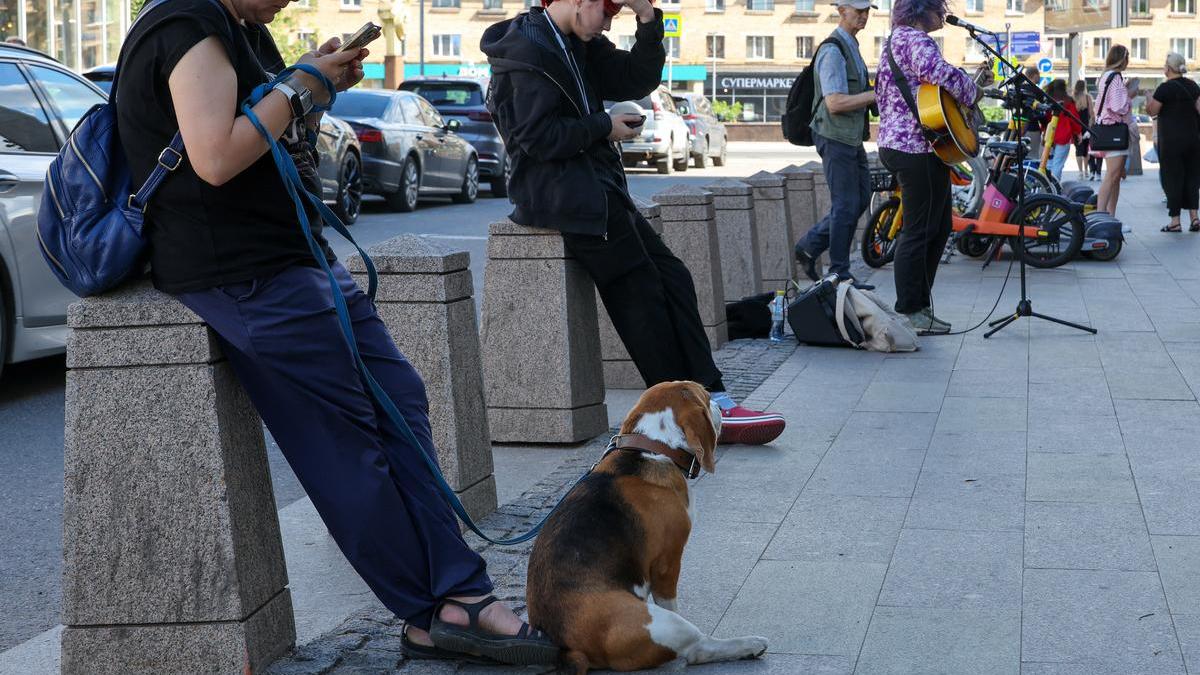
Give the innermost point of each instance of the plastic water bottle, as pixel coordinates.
(777, 308)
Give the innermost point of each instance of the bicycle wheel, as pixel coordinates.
(1059, 231)
(877, 248)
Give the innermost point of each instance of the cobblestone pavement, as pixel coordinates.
(368, 643)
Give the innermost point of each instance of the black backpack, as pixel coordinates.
(800, 107)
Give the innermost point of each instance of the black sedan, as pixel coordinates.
(409, 151)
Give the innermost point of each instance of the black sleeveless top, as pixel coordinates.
(203, 235)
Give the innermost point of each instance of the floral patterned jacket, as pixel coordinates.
(919, 59)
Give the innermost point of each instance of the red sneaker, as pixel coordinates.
(750, 427)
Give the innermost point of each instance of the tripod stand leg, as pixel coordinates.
(999, 326)
(1004, 320)
(1068, 324)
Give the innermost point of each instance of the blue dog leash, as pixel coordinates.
(295, 188)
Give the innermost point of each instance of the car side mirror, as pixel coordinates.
(453, 125)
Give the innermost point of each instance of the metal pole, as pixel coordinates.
(422, 30)
(670, 71)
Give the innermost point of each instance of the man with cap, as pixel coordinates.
(841, 98)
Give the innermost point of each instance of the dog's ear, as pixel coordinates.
(698, 426)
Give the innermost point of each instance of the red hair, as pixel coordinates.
(610, 8)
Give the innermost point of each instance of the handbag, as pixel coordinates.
(89, 226)
(1109, 137)
(813, 317)
(860, 312)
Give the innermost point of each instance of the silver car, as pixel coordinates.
(708, 133)
(665, 141)
(408, 150)
(40, 102)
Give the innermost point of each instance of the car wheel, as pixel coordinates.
(470, 184)
(666, 165)
(703, 161)
(499, 184)
(350, 188)
(5, 330)
(719, 160)
(405, 199)
(683, 159)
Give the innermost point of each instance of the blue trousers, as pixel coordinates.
(1058, 159)
(373, 491)
(849, 178)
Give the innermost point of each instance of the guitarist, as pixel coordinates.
(839, 125)
(903, 149)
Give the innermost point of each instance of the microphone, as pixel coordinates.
(955, 21)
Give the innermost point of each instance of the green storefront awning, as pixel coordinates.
(685, 73)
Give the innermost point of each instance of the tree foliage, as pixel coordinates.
(727, 112)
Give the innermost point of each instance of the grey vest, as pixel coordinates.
(851, 127)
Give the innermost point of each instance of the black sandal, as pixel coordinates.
(414, 651)
(1195, 225)
(1173, 228)
(528, 647)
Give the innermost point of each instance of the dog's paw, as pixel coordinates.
(753, 646)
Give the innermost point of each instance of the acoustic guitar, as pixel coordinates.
(953, 125)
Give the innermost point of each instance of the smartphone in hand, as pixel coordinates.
(364, 35)
(636, 124)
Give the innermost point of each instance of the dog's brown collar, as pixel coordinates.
(686, 461)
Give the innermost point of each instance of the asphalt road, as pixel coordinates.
(31, 395)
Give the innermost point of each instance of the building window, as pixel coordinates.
(879, 47)
(624, 41)
(1100, 47)
(454, 4)
(804, 47)
(975, 6)
(1139, 49)
(1183, 6)
(1058, 48)
(1015, 6)
(670, 4)
(303, 4)
(1186, 47)
(493, 4)
(715, 47)
(804, 6)
(764, 5)
(1139, 8)
(973, 51)
(672, 47)
(307, 39)
(941, 44)
(714, 5)
(447, 45)
(760, 47)
(884, 5)
(351, 4)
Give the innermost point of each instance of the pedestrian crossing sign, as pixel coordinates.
(672, 25)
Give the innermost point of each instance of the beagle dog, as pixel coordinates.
(603, 573)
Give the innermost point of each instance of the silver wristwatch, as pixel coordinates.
(299, 97)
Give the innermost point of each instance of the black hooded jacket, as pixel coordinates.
(562, 162)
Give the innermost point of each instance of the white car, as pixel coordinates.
(665, 140)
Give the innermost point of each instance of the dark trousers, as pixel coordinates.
(650, 296)
(849, 177)
(373, 491)
(1179, 173)
(925, 196)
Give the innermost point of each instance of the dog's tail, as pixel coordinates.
(577, 660)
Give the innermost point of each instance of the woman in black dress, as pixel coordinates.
(1176, 102)
(1083, 103)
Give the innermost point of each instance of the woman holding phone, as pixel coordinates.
(225, 240)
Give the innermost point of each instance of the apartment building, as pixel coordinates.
(80, 33)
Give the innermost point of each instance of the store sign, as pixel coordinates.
(758, 81)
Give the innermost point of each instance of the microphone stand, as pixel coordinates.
(1024, 305)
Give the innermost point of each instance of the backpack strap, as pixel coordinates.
(171, 156)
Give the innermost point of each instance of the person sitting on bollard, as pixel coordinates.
(839, 126)
(551, 69)
(226, 241)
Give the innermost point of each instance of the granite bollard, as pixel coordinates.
(425, 300)
(800, 201)
(775, 238)
(173, 561)
(543, 377)
(741, 268)
(619, 369)
(690, 231)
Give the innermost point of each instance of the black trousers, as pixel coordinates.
(650, 296)
(925, 196)
(1179, 173)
